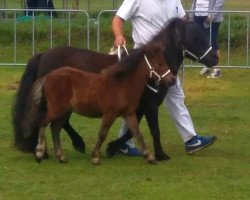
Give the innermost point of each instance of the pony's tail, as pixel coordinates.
(20, 104)
(35, 111)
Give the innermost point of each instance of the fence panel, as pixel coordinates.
(233, 39)
(40, 32)
(73, 27)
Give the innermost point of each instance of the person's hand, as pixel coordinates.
(120, 40)
(210, 19)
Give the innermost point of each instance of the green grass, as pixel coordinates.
(218, 107)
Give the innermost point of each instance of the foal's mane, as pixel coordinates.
(126, 65)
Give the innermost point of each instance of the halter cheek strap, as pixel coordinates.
(194, 56)
(151, 72)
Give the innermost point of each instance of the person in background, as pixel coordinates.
(40, 4)
(148, 17)
(209, 20)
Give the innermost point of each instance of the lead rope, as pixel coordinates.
(119, 51)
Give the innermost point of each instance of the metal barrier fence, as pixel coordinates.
(228, 15)
(228, 53)
(48, 22)
(229, 56)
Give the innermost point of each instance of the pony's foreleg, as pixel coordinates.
(134, 128)
(56, 127)
(41, 145)
(106, 124)
(76, 139)
(114, 146)
(151, 114)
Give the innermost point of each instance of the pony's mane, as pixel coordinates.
(165, 40)
(166, 36)
(170, 40)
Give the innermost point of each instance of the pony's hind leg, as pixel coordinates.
(106, 124)
(134, 128)
(56, 127)
(41, 146)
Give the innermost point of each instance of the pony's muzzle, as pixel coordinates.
(211, 60)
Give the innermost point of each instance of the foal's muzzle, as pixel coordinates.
(169, 80)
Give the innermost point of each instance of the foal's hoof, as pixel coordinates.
(40, 156)
(151, 159)
(38, 160)
(95, 161)
(46, 155)
(111, 150)
(79, 145)
(63, 160)
(162, 157)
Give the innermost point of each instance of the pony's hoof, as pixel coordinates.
(79, 145)
(63, 160)
(46, 155)
(151, 159)
(38, 160)
(110, 150)
(39, 156)
(95, 161)
(161, 157)
(153, 162)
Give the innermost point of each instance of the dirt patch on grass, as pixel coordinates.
(13, 86)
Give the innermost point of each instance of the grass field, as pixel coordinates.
(219, 107)
(221, 172)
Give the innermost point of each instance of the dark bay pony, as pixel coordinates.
(115, 92)
(172, 41)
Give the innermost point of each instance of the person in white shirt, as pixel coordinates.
(208, 16)
(148, 17)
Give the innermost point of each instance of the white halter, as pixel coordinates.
(194, 56)
(151, 69)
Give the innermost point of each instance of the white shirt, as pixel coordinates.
(202, 5)
(149, 16)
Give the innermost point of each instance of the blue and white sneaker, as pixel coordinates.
(129, 149)
(199, 142)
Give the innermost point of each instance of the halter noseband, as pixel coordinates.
(194, 56)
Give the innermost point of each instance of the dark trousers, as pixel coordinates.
(214, 30)
(40, 4)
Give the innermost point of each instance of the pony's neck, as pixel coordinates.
(174, 59)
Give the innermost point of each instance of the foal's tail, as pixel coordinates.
(35, 111)
(20, 105)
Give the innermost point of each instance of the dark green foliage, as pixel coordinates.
(238, 33)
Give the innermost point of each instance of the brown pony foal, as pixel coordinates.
(113, 93)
